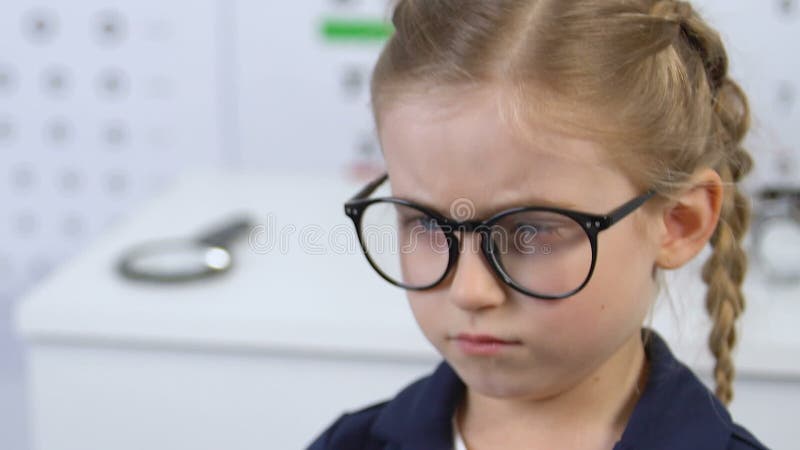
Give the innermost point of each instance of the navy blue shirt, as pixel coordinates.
(675, 412)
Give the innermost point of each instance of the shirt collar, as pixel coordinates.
(420, 415)
(675, 411)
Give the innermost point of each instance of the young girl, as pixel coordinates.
(547, 159)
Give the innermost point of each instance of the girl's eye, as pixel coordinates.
(426, 222)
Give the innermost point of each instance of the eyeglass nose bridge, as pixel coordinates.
(486, 248)
(481, 227)
(474, 226)
(464, 226)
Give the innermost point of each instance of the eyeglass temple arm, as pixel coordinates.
(619, 213)
(370, 188)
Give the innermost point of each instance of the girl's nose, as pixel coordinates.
(473, 283)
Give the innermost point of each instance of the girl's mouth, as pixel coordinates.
(483, 344)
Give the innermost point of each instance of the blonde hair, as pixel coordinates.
(648, 79)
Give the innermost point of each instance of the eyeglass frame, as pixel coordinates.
(591, 224)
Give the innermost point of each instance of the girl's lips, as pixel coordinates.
(482, 344)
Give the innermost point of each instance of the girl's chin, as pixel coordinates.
(500, 381)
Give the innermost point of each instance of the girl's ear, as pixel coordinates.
(689, 222)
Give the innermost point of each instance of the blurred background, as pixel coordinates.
(127, 121)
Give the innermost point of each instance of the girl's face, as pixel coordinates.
(442, 153)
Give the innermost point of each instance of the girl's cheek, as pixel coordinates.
(427, 311)
(571, 320)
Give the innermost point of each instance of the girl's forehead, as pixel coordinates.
(479, 124)
(439, 153)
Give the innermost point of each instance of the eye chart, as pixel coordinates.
(290, 96)
(100, 103)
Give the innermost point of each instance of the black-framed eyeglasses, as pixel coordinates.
(544, 252)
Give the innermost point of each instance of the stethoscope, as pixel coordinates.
(179, 260)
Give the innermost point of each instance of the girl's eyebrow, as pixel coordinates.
(535, 201)
(494, 209)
